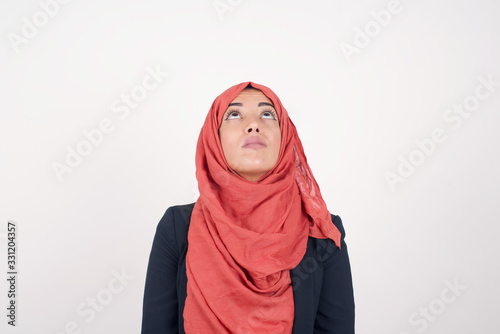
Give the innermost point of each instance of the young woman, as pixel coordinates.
(258, 252)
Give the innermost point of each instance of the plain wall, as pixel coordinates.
(364, 83)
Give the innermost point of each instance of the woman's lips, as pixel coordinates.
(254, 142)
(255, 146)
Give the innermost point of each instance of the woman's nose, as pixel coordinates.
(250, 129)
(252, 125)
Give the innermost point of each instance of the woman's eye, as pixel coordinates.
(236, 114)
(268, 115)
(231, 114)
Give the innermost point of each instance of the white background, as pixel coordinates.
(356, 117)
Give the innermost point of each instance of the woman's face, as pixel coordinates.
(250, 116)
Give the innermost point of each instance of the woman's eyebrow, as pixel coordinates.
(238, 104)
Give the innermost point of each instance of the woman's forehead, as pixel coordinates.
(252, 93)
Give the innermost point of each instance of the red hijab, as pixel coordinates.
(244, 237)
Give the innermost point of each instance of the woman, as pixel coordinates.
(258, 252)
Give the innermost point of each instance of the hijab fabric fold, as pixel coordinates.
(244, 237)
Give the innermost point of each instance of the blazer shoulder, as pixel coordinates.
(337, 221)
(173, 226)
(182, 212)
(179, 214)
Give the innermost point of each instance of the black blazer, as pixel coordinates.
(322, 283)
